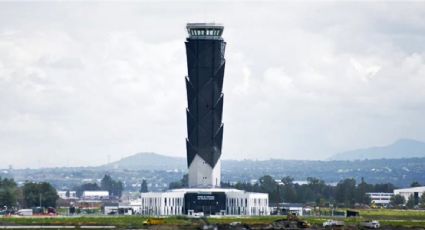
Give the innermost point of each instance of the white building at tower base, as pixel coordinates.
(204, 201)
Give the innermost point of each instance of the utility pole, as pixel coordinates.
(39, 200)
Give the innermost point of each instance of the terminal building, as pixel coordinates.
(204, 84)
(204, 201)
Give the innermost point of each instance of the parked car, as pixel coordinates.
(374, 224)
(333, 223)
(25, 212)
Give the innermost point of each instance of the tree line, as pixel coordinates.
(346, 193)
(43, 194)
(31, 194)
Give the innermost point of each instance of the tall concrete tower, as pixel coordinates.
(204, 84)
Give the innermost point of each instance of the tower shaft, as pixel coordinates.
(204, 84)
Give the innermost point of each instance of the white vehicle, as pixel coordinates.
(199, 214)
(24, 212)
(370, 224)
(333, 223)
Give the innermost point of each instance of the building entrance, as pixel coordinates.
(206, 203)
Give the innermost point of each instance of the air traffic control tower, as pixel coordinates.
(204, 83)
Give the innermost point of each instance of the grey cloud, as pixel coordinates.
(81, 81)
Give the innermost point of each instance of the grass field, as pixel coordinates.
(118, 221)
(389, 218)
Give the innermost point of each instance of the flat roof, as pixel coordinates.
(204, 25)
(95, 193)
(412, 189)
(206, 190)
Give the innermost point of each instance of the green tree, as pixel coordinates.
(410, 202)
(8, 191)
(422, 200)
(383, 188)
(182, 183)
(319, 191)
(114, 188)
(361, 192)
(345, 192)
(415, 184)
(397, 201)
(287, 180)
(36, 194)
(287, 190)
(144, 186)
(268, 185)
(7, 198)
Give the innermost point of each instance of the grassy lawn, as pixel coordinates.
(118, 221)
(394, 214)
(390, 218)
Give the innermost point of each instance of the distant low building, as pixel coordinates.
(67, 195)
(95, 195)
(416, 192)
(380, 198)
(291, 208)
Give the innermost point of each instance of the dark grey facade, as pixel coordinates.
(204, 83)
(209, 203)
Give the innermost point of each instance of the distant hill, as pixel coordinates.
(148, 161)
(159, 170)
(403, 148)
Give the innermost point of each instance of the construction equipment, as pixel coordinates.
(153, 221)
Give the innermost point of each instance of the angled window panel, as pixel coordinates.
(192, 105)
(191, 152)
(219, 69)
(191, 55)
(205, 138)
(204, 75)
(193, 136)
(223, 49)
(219, 56)
(218, 77)
(191, 125)
(189, 89)
(205, 99)
(207, 155)
(218, 113)
(205, 54)
(216, 94)
(193, 75)
(206, 122)
(191, 95)
(218, 141)
(219, 133)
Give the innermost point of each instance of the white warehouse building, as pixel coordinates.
(416, 192)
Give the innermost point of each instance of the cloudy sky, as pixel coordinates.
(84, 82)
